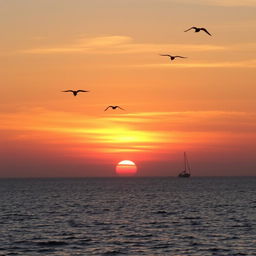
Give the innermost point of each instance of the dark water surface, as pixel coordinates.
(128, 216)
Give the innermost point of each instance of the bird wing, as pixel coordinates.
(205, 30)
(82, 91)
(180, 57)
(107, 108)
(190, 29)
(68, 91)
(120, 107)
(168, 55)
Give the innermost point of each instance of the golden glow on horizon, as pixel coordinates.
(135, 133)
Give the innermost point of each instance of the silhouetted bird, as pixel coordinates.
(172, 57)
(198, 30)
(75, 92)
(113, 107)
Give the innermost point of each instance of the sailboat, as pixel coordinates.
(187, 171)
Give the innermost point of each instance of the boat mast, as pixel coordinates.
(185, 161)
(188, 165)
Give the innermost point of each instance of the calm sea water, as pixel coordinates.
(128, 216)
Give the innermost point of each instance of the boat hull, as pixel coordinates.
(184, 175)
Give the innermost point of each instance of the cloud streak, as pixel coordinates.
(123, 127)
(143, 136)
(224, 64)
(224, 3)
(119, 45)
(230, 3)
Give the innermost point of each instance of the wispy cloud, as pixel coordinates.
(199, 120)
(94, 134)
(134, 129)
(47, 120)
(224, 64)
(143, 136)
(228, 3)
(119, 45)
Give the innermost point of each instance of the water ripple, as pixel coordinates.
(151, 216)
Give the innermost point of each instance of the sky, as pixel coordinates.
(204, 104)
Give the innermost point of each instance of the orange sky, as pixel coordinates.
(204, 104)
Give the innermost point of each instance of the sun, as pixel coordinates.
(126, 168)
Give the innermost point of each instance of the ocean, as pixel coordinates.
(128, 216)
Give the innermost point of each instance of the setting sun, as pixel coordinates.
(126, 168)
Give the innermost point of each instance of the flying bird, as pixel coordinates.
(113, 107)
(172, 57)
(198, 30)
(75, 92)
